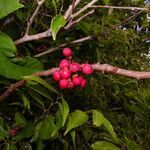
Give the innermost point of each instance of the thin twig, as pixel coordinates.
(118, 7)
(70, 24)
(63, 45)
(29, 23)
(123, 22)
(84, 8)
(69, 10)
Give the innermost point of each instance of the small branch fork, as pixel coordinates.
(97, 67)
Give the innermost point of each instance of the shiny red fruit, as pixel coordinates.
(87, 69)
(83, 83)
(77, 80)
(56, 75)
(65, 74)
(70, 85)
(67, 52)
(74, 67)
(64, 63)
(63, 84)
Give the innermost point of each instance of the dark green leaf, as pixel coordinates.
(20, 120)
(9, 6)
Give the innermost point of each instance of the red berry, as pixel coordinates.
(64, 63)
(87, 69)
(77, 80)
(67, 52)
(70, 85)
(74, 67)
(63, 84)
(65, 74)
(56, 75)
(83, 83)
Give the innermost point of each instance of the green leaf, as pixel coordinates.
(42, 82)
(10, 147)
(12, 70)
(57, 23)
(3, 133)
(131, 145)
(103, 145)
(64, 111)
(25, 100)
(20, 120)
(41, 90)
(40, 145)
(76, 119)
(54, 5)
(7, 45)
(48, 129)
(73, 136)
(98, 118)
(9, 6)
(110, 129)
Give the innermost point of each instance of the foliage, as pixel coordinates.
(111, 113)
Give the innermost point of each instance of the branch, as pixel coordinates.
(84, 8)
(97, 67)
(38, 36)
(63, 45)
(15, 86)
(115, 70)
(70, 24)
(117, 7)
(29, 23)
(123, 22)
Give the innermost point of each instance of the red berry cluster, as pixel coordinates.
(68, 74)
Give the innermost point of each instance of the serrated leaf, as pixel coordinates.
(64, 111)
(103, 145)
(57, 23)
(9, 6)
(7, 45)
(42, 82)
(76, 119)
(20, 120)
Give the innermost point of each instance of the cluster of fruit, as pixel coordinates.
(68, 76)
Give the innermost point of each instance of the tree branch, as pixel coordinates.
(117, 7)
(97, 67)
(84, 8)
(29, 23)
(63, 45)
(20, 83)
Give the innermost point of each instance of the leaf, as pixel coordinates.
(110, 129)
(20, 120)
(12, 70)
(103, 145)
(64, 111)
(73, 136)
(106, 2)
(57, 23)
(7, 45)
(9, 6)
(98, 118)
(10, 147)
(48, 129)
(40, 145)
(54, 5)
(3, 133)
(42, 82)
(76, 119)
(131, 145)
(25, 100)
